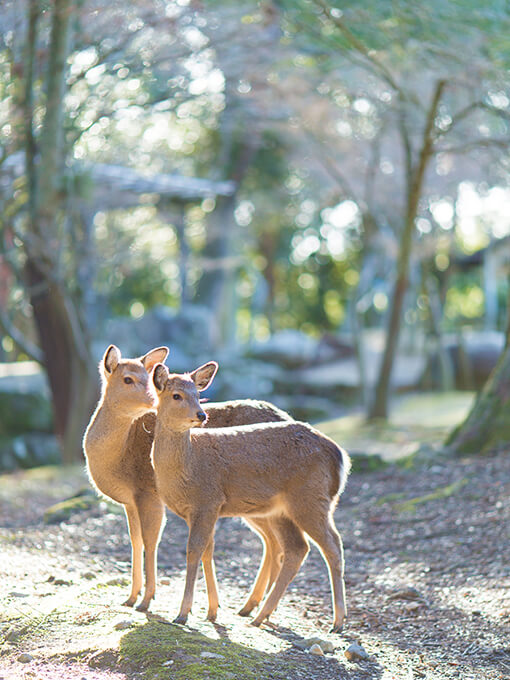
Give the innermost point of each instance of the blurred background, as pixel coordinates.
(316, 197)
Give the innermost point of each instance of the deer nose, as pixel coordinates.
(201, 416)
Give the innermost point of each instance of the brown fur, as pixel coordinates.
(117, 446)
(284, 473)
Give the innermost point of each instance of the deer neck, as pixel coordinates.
(172, 448)
(108, 432)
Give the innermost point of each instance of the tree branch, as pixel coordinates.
(19, 339)
(502, 143)
(473, 108)
(379, 67)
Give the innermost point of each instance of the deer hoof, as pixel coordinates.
(246, 610)
(143, 607)
(181, 619)
(129, 602)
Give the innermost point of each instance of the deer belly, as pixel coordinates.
(248, 507)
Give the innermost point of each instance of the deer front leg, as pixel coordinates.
(152, 519)
(201, 529)
(135, 535)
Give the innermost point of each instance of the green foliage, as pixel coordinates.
(435, 33)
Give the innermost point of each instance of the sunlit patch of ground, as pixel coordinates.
(427, 571)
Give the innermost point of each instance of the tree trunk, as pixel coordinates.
(379, 407)
(64, 344)
(67, 361)
(216, 288)
(487, 425)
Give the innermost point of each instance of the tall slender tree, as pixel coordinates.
(61, 328)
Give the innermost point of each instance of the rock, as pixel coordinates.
(308, 643)
(355, 652)
(28, 450)
(13, 593)
(412, 607)
(327, 646)
(88, 575)
(118, 581)
(165, 581)
(167, 663)
(25, 658)
(61, 582)
(408, 593)
(24, 399)
(289, 348)
(317, 650)
(211, 655)
(123, 625)
(13, 634)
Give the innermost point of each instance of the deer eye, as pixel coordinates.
(176, 396)
(128, 381)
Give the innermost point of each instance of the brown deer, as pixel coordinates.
(286, 473)
(117, 446)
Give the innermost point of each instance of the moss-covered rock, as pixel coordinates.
(22, 412)
(366, 462)
(60, 512)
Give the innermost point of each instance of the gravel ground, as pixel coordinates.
(427, 572)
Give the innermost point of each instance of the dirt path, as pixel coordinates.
(427, 584)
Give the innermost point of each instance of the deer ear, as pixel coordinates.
(155, 356)
(111, 358)
(159, 377)
(203, 376)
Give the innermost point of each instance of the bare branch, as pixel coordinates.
(474, 107)
(23, 343)
(502, 143)
(378, 66)
(331, 166)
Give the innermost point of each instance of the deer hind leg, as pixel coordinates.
(135, 535)
(210, 580)
(152, 520)
(295, 549)
(201, 530)
(319, 525)
(269, 566)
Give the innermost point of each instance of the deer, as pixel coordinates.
(285, 473)
(117, 446)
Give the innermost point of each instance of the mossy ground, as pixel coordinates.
(159, 649)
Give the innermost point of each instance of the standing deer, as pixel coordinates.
(286, 473)
(117, 446)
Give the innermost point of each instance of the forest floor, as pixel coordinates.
(427, 548)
